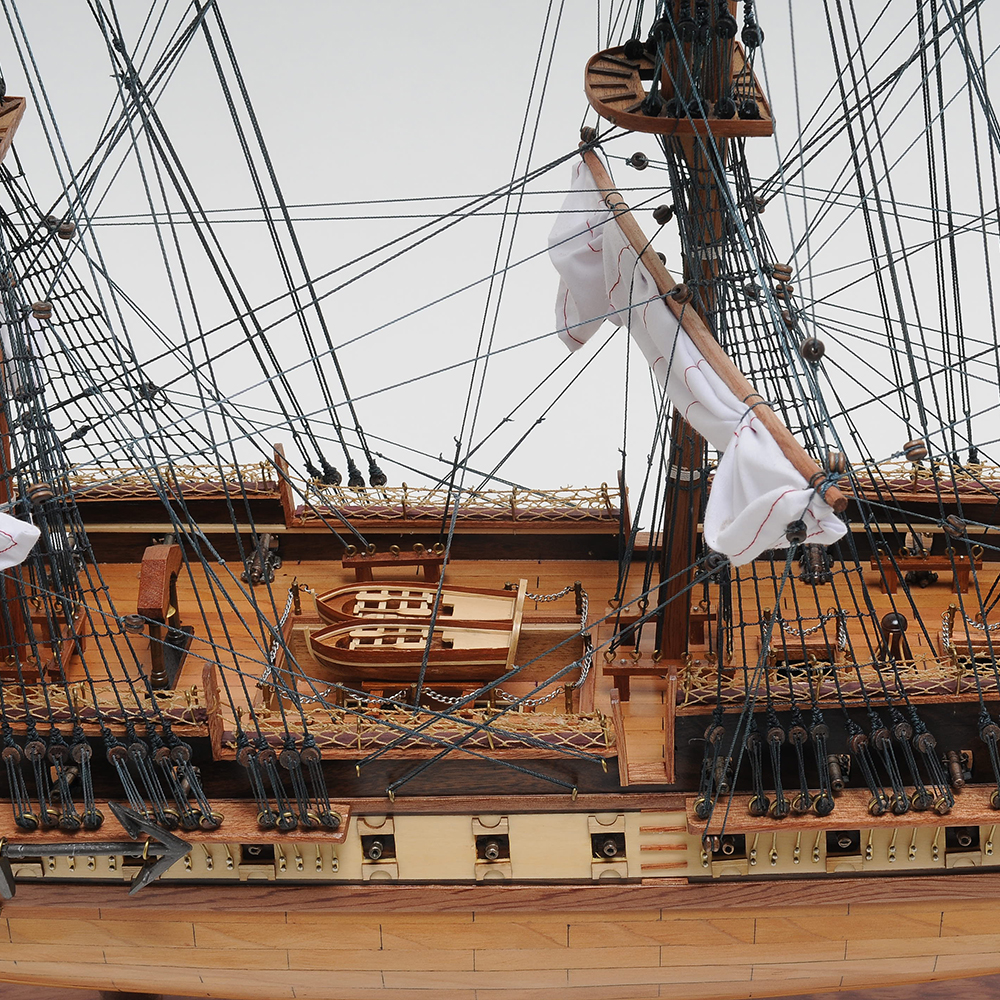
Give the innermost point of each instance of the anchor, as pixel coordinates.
(161, 851)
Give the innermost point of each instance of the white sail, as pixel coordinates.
(17, 539)
(756, 492)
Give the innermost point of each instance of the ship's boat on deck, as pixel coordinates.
(395, 651)
(403, 600)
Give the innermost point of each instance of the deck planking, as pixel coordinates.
(721, 944)
(227, 630)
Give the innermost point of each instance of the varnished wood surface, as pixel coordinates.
(972, 808)
(160, 566)
(646, 738)
(10, 117)
(239, 826)
(596, 576)
(723, 941)
(974, 988)
(970, 888)
(617, 96)
(726, 943)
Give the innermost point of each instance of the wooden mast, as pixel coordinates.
(13, 629)
(686, 461)
(13, 633)
(679, 550)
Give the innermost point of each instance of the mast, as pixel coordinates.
(703, 339)
(13, 634)
(13, 630)
(702, 95)
(686, 465)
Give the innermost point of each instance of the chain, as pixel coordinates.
(272, 654)
(808, 631)
(510, 698)
(321, 696)
(982, 626)
(839, 616)
(585, 661)
(946, 627)
(445, 699)
(550, 597)
(588, 655)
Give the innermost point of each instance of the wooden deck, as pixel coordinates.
(228, 633)
(970, 988)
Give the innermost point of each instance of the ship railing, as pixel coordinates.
(928, 476)
(407, 503)
(922, 678)
(343, 732)
(312, 500)
(57, 704)
(120, 482)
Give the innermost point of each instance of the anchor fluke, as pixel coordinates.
(167, 848)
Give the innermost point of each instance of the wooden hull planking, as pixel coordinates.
(724, 942)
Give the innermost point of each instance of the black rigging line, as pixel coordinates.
(466, 423)
(375, 474)
(265, 328)
(228, 281)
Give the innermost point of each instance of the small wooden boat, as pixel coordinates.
(393, 651)
(403, 600)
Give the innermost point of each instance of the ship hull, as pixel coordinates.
(725, 941)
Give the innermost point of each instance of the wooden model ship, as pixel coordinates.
(479, 740)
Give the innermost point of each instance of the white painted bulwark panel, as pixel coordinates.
(435, 847)
(550, 846)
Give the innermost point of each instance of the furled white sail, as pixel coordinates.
(756, 492)
(17, 539)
